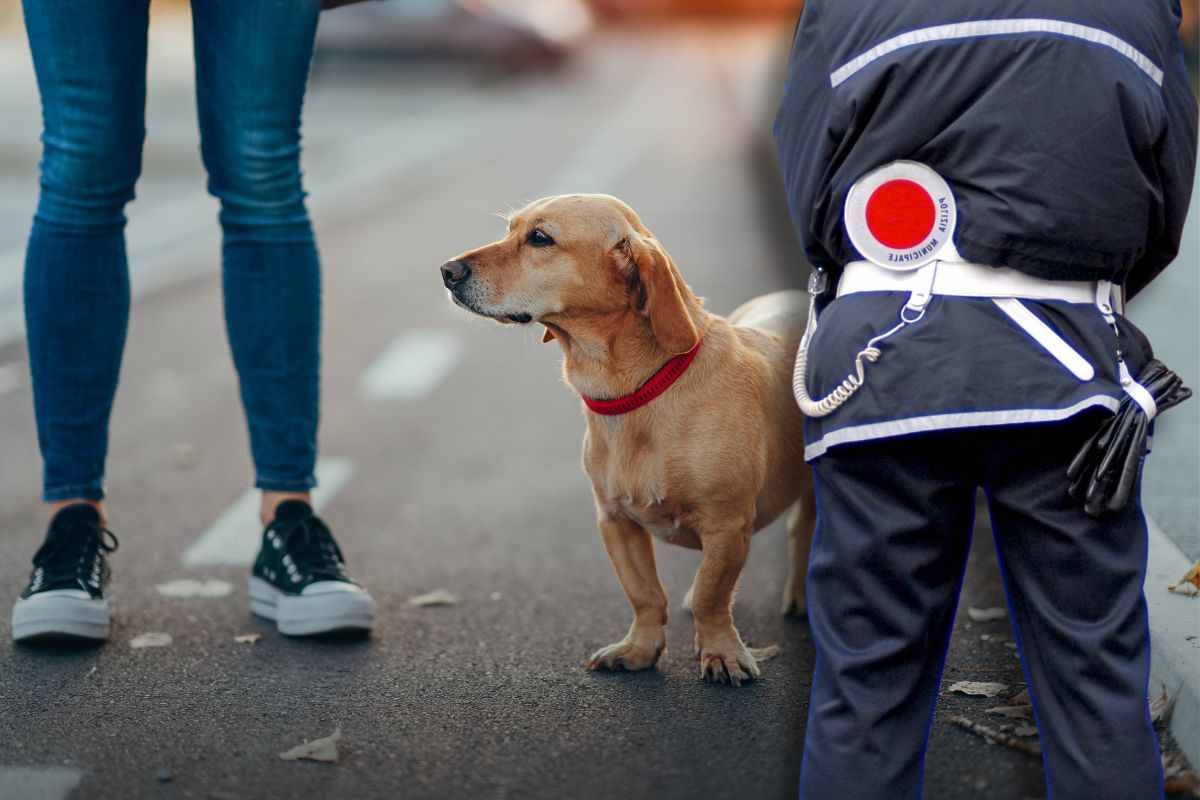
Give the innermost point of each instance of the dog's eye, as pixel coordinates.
(539, 239)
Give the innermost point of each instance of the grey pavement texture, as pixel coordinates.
(1174, 639)
(474, 487)
(1169, 312)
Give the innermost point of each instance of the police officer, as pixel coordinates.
(979, 185)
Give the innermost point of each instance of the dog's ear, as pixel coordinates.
(548, 336)
(661, 292)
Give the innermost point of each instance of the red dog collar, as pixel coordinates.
(659, 382)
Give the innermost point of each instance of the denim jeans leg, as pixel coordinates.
(90, 61)
(252, 64)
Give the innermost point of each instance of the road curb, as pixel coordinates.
(1174, 639)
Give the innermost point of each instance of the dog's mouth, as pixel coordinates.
(520, 318)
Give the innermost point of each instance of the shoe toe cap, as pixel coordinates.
(331, 587)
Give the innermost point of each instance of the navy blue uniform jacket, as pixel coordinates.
(1066, 128)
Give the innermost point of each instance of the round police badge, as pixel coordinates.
(901, 215)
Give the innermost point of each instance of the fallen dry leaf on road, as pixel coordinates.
(1012, 712)
(1192, 579)
(997, 737)
(438, 597)
(324, 750)
(247, 638)
(978, 688)
(986, 614)
(764, 653)
(186, 587)
(1180, 779)
(1182, 785)
(153, 639)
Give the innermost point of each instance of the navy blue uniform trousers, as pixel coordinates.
(894, 525)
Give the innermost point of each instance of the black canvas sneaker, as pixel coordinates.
(65, 595)
(300, 581)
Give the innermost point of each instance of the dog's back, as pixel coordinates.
(783, 314)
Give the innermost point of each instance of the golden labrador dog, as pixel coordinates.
(717, 456)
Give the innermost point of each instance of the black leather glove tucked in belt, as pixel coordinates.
(1103, 474)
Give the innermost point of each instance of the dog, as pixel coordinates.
(717, 456)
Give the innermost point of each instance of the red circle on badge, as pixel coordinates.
(900, 214)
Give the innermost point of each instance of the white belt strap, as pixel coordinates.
(1044, 335)
(1107, 297)
(1005, 287)
(920, 291)
(1104, 301)
(1138, 392)
(957, 278)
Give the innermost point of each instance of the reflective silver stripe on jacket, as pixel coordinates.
(997, 27)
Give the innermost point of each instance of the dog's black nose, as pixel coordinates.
(455, 272)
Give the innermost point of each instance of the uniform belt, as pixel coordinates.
(962, 279)
(1005, 287)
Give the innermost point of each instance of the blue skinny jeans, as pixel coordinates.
(252, 64)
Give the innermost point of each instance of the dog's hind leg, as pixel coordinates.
(689, 598)
(631, 551)
(800, 523)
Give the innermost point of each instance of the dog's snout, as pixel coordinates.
(455, 272)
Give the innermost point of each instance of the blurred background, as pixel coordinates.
(450, 444)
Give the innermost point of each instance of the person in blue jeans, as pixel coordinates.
(252, 65)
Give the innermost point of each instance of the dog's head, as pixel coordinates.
(572, 258)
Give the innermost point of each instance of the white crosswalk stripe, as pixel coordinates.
(413, 365)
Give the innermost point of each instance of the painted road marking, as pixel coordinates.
(234, 538)
(187, 587)
(412, 366)
(38, 783)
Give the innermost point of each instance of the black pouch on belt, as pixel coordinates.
(1104, 472)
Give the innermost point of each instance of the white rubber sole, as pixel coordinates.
(343, 607)
(60, 613)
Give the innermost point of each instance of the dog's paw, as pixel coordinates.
(629, 655)
(727, 660)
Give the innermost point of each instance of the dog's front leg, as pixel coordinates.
(724, 657)
(631, 550)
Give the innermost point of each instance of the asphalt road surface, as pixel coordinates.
(451, 452)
